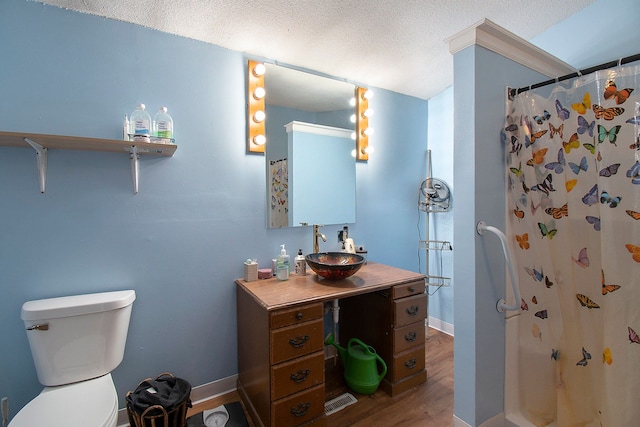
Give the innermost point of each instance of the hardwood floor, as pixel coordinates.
(427, 405)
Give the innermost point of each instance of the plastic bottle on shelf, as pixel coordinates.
(126, 129)
(140, 124)
(163, 125)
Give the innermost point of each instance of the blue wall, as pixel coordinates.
(181, 241)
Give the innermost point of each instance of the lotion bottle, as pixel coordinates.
(284, 266)
(300, 266)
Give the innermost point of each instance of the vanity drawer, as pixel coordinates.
(295, 341)
(409, 310)
(296, 375)
(408, 336)
(406, 363)
(408, 289)
(299, 408)
(296, 315)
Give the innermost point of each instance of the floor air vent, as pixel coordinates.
(340, 402)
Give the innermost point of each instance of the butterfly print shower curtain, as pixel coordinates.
(573, 169)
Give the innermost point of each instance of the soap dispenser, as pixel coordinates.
(300, 266)
(283, 268)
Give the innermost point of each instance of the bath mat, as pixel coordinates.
(231, 414)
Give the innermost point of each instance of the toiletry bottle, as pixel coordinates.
(140, 124)
(163, 124)
(126, 130)
(300, 266)
(283, 261)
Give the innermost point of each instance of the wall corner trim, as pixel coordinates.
(491, 36)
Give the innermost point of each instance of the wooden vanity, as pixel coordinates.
(281, 338)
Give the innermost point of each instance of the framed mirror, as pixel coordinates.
(310, 166)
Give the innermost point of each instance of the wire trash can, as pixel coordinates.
(161, 402)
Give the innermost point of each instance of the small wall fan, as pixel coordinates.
(435, 195)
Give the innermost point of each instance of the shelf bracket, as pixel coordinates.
(135, 166)
(41, 158)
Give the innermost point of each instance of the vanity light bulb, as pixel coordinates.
(367, 132)
(368, 94)
(352, 102)
(353, 136)
(353, 153)
(368, 150)
(258, 116)
(259, 70)
(352, 118)
(367, 113)
(259, 93)
(259, 139)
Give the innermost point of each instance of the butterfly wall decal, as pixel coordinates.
(586, 356)
(538, 157)
(523, 241)
(557, 167)
(633, 214)
(530, 140)
(517, 171)
(548, 283)
(518, 213)
(542, 314)
(570, 184)
(594, 220)
(611, 91)
(577, 167)
(591, 198)
(606, 113)
(571, 144)
(555, 130)
(582, 107)
(516, 146)
(547, 230)
(635, 120)
(612, 134)
(546, 186)
(583, 259)
(606, 356)
(611, 201)
(562, 112)
(608, 288)
(609, 170)
(585, 126)
(585, 301)
(634, 250)
(523, 305)
(541, 118)
(634, 173)
(590, 147)
(511, 127)
(534, 299)
(558, 213)
(537, 275)
(633, 336)
(554, 354)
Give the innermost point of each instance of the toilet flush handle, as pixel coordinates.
(43, 327)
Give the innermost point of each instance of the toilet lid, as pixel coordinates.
(92, 403)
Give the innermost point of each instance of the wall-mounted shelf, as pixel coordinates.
(42, 142)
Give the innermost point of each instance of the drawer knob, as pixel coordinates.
(412, 289)
(301, 409)
(413, 310)
(299, 316)
(298, 342)
(411, 363)
(411, 337)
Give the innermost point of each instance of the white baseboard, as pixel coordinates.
(438, 324)
(457, 422)
(198, 394)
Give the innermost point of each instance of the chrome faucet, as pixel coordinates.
(317, 234)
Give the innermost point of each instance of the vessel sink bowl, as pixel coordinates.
(334, 265)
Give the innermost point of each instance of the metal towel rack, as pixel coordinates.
(501, 305)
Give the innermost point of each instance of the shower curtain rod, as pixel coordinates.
(513, 92)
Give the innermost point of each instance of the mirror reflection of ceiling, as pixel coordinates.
(396, 45)
(303, 91)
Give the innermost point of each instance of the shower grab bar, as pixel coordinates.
(501, 304)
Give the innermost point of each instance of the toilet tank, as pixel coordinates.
(78, 337)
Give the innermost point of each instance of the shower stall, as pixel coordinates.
(573, 202)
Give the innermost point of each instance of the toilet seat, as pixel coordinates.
(92, 403)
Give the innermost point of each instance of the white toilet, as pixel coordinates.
(76, 342)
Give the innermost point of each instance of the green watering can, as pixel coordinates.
(360, 365)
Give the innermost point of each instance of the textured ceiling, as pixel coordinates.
(396, 45)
